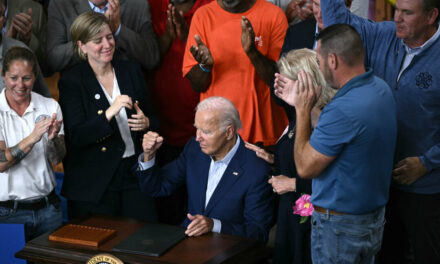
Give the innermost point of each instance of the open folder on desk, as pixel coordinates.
(152, 240)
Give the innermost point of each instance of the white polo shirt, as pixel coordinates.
(33, 176)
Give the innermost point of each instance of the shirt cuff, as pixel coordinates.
(145, 165)
(117, 31)
(426, 163)
(217, 225)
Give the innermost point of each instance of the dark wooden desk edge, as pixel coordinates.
(246, 251)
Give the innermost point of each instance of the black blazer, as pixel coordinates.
(94, 145)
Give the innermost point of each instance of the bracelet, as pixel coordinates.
(203, 68)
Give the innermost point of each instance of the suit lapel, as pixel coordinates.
(126, 88)
(203, 171)
(230, 176)
(82, 6)
(95, 91)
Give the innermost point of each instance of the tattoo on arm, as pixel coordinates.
(17, 153)
(57, 149)
(3, 156)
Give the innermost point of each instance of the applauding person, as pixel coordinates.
(31, 139)
(106, 112)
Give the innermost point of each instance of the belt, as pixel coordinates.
(324, 211)
(34, 205)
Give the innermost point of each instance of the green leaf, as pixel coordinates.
(303, 219)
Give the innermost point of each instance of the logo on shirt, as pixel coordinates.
(423, 80)
(259, 41)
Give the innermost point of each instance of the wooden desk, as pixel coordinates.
(210, 248)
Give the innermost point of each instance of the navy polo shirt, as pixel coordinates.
(359, 128)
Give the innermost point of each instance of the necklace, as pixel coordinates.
(291, 132)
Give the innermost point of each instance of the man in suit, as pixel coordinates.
(5, 44)
(227, 184)
(130, 22)
(26, 22)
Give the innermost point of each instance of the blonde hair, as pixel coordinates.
(291, 63)
(84, 28)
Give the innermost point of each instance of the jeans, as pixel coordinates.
(346, 238)
(35, 222)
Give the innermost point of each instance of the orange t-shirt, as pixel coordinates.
(233, 75)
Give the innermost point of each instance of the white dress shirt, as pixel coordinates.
(121, 119)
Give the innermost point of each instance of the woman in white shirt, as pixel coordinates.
(31, 140)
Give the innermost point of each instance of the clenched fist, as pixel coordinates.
(150, 144)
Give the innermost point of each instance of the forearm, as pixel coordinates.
(165, 42)
(13, 155)
(302, 138)
(264, 67)
(56, 149)
(200, 80)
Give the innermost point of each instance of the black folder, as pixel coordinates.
(151, 240)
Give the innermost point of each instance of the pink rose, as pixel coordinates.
(303, 207)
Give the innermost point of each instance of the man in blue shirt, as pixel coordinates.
(226, 182)
(406, 54)
(349, 155)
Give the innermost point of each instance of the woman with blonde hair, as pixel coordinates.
(106, 112)
(292, 240)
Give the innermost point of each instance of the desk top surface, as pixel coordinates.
(209, 248)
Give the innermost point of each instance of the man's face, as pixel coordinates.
(323, 66)
(212, 139)
(412, 23)
(317, 13)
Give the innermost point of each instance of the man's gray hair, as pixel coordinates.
(228, 113)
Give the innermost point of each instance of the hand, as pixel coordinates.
(54, 127)
(199, 225)
(180, 24)
(139, 121)
(170, 29)
(408, 170)
(201, 53)
(260, 152)
(300, 93)
(282, 184)
(40, 128)
(113, 15)
(150, 144)
(120, 102)
(305, 9)
(21, 27)
(247, 35)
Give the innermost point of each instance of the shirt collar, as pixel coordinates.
(356, 81)
(424, 46)
(230, 154)
(97, 9)
(4, 106)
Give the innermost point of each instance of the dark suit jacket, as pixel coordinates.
(242, 201)
(136, 40)
(94, 145)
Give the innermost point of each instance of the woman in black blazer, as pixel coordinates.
(106, 112)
